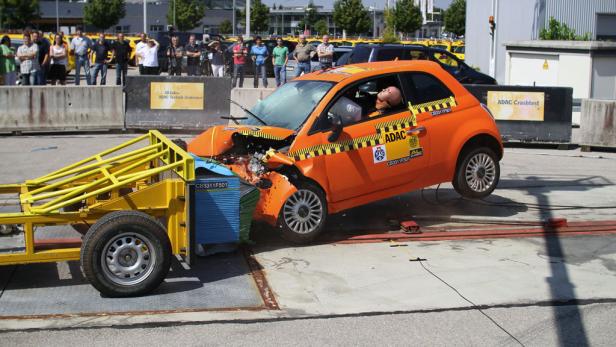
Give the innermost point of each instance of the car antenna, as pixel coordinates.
(248, 111)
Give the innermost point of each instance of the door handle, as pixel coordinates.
(417, 130)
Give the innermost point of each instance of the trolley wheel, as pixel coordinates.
(302, 217)
(126, 253)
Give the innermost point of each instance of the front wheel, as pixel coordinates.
(303, 215)
(477, 174)
(126, 253)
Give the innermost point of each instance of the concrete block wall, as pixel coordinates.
(52, 108)
(247, 97)
(598, 123)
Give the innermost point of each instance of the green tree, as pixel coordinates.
(310, 18)
(561, 31)
(352, 16)
(259, 16)
(321, 27)
(407, 16)
(188, 14)
(104, 13)
(389, 33)
(17, 14)
(455, 17)
(225, 27)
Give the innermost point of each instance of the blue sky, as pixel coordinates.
(330, 3)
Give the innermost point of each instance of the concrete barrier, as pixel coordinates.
(247, 97)
(598, 123)
(55, 108)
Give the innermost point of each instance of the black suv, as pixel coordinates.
(364, 53)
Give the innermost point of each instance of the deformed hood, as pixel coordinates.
(218, 139)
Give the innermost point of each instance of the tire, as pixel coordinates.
(477, 174)
(126, 253)
(303, 215)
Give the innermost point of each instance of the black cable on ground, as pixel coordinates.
(470, 302)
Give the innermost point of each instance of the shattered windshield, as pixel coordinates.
(290, 105)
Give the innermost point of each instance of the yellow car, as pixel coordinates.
(458, 51)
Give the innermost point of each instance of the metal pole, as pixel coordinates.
(57, 18)
(374, 21)
(145, 16)
(233, 18)
(247, 18)
(174, 25)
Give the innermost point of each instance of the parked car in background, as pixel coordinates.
(363, 53)
(314, 62)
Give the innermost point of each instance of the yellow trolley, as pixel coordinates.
(131, 204)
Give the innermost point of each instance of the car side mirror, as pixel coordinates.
(337, 126)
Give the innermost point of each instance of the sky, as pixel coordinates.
(330, 3)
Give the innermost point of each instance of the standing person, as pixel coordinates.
(59, 60)
(193, 55)
(150, 58)
(139, 51)
(259, 56)
(240, 52)
(80, 46)
(7, 62)
(280, 57)
(174, 57)
(303, 53)
(326, 53)
(121, 51)
(217, 60)
(100, 49)
(28, 61)
(43, 57)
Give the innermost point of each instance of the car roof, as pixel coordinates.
(362, 70)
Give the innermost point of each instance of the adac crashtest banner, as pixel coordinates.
(511, 105)
(176, 96)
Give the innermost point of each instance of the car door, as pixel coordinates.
(374, 152)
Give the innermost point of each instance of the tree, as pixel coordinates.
(321, 27)
(225, 27)
(352, 16)
(104, 13)
(407, 16)
(259, 16)
(560, 31)
(389, 33)
(188, 14)
(455, 17)
(310, 18)
(18, 14)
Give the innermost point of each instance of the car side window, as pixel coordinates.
(445, 59)
(389, 54)
(369, 99)
(421, 87)
(416, 55)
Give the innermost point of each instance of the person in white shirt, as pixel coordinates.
(150, 58)
(28, 61)
(139, 51)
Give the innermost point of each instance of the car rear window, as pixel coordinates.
(388, 54)
(422, 87)
(360, 55)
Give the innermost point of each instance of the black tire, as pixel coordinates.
(477, 173)
(303, 216)
(142, 248)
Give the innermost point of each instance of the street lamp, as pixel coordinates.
(373, 9)
(145, 16)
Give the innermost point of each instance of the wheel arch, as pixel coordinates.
(480, 140)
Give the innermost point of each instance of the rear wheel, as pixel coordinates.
(126, 253)
(303, 215)
(477, 174)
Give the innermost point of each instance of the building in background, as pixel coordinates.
(522, 20)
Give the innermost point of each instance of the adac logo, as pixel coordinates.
(379, 154)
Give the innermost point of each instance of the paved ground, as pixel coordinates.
(542, 291)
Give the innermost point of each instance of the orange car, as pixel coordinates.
(335, 139)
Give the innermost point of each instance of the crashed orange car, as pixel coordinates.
(336, 139)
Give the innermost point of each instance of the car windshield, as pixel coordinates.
(290, 105)
(459, 49)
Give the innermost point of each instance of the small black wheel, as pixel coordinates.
(477, 174)
(303, 215)
(126, 253)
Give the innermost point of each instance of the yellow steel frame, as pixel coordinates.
(151, 178)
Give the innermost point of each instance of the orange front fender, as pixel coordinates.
(273, 198)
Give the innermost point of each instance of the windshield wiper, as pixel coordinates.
(235, 119)
(247, 111)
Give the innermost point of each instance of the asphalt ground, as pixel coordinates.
(548, 290)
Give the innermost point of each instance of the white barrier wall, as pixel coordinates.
(46, 108)
(247, 97)
(598, 123)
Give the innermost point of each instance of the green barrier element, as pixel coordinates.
(249, 197)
